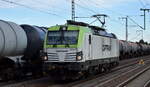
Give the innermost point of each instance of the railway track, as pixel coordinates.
(137, 80)
(147, 84)
(131, 81)
(91, 81)
(101, 81)
(29, 83)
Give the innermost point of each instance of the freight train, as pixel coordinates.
(20, 47)
(70, 51)
(76, 49)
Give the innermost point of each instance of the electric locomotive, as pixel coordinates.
(77, 48)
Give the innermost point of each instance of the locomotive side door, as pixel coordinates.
(87, 47)
(90, 47)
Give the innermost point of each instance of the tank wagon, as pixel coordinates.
(25, 41)
(132, 49)
(77, 48)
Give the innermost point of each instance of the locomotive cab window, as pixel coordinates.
(63, 37)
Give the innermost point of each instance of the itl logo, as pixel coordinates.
(106, 48)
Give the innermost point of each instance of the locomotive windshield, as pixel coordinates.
(62, 37)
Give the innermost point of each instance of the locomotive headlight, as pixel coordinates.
(45, 58)
(79, 56)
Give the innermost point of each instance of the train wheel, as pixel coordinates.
(90, 70)
(101, 69)
(86, 74)
(7, 74)
(108, 67)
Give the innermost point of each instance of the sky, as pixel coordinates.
(51, 12)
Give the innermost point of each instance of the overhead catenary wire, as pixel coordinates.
(135, 23)
(142, 3)
(117, 13)
(79, 12)
(94, 12)
(100, 6)
(19, 4)
(108, 10)
(56, 14)
(85, 8)
(147, 3)
(93, 21)
(51, 6)
(113, 20)
(135, 37)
